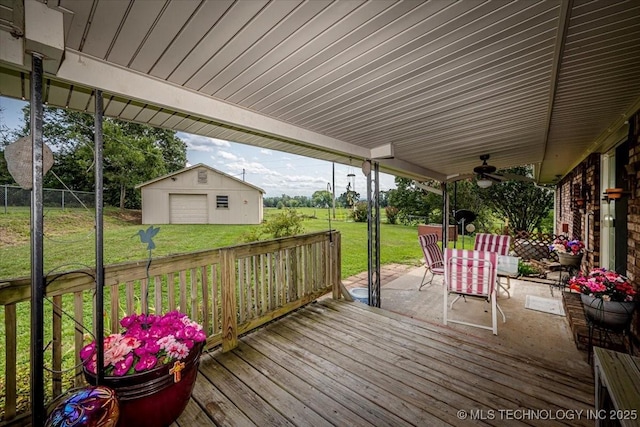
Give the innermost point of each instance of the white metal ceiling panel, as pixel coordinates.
(235, 18)
(131, 111)
(114, 106)
(264, 46)
(80, 99)
(259, 28)
(104, 27)
(12, 84)
(164, 31)
(296, 41)
(322, 47)
(138, 24)
(419, 46)
(173, 121)
(197, 27)
(76, 25)
(159, 118)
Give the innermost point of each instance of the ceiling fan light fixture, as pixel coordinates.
(484, 183)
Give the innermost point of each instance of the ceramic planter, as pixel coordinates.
(611, 314)
(154, 398)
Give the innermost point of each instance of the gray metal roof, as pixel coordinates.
(443, 82)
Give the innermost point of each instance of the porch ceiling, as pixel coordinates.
(443, 82)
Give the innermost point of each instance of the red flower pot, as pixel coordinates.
(155, 398)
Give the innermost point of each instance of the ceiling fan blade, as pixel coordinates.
(460, 177)
(494, 176)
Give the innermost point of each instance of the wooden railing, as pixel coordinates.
(230, 291)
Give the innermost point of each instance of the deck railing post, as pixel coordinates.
(228, 294)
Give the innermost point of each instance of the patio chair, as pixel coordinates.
(495, 243)
(434, 263)
(470, 273)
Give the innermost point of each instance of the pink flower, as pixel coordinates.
(148, 340)
(122, 367)
(146, 362)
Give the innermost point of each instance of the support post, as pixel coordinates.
(373, 241)
(37, 247)
(98, 142)
(445, 215)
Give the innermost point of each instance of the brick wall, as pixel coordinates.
(584, 182)
(633, 218)
(578, 196)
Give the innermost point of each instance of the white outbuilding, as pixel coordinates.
(200, 194)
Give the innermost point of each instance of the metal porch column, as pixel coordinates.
(99, 238)
(445, 215)
(37, 247)
(373, 230)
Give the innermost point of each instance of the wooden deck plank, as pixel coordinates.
(400, 365)
(256, 408)
(289, 355)
(315, 397)
(434, 376)
(418, 408)
(218, 407)
(497, 368)
(288, 405)
(341, 363)
(509, 362)
(193, 415)
(373, 396)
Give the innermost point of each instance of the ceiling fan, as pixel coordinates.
(486, 174)
(489, 171)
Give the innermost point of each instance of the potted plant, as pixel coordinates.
(152, 366)
(607, 297)
(569, 251)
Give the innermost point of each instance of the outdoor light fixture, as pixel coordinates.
(484, 183)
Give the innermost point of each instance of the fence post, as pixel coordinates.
(228, 294)
(6, 197)
(63, 200)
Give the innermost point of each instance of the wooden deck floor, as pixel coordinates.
(340, 363)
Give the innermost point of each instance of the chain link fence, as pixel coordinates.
(13, 196)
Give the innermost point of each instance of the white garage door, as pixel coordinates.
(188, 208)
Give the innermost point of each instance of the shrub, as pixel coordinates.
(526, 269)
(392, 214)
(253, 235)
(286, 223)
(360, 212)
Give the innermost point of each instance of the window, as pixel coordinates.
(222, 202)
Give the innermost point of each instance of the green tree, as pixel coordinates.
(133, 153)
(322, 199)
(524, 204)
(413, 202)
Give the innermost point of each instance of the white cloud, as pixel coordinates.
(225, 155)
(202, 143)
(265, 151)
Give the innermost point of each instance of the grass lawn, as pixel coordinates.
(69, 239)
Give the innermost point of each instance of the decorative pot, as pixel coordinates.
(570, 259)
(611, 314)
(156, 397)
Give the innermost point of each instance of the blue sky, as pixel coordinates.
(275, 172)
